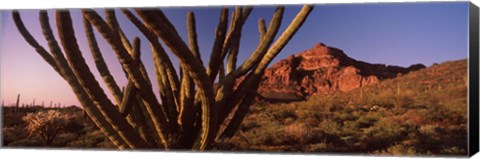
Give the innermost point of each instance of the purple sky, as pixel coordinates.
(394, 34)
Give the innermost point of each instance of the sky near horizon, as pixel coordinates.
(390, 33)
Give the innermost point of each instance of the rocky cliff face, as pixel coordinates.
(323, 70)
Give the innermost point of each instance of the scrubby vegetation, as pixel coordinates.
(50, 127)
(421, 113)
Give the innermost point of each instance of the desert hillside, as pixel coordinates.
(420, 113)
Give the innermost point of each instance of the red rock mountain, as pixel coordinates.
(323, 70)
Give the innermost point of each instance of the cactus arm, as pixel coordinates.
(192, 35)
(169, 100)
(233, 35)
(265, 59)
(128, 99)
(221, 73)
(246, 12)
(284, 38)
(233, 30)
(162, 77)
(155, 111)
(215, 56)
(186, 114)
(65, 68)
(259, 51)
(130, 91)
(129, 106)
(30, 40)
(251, 82)
(226, 88)
(161, 60)
(100, 62)
(86, 78)
(242, 109)
(160, 26)
(187, 91)
(88, 104)
(261, 28)
(236, 97)
(112, 21)
(262, 47)
(232, 56)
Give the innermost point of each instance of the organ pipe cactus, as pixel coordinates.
(191, 114)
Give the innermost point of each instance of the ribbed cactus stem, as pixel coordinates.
(187, 115)
(192, 35)
(240, 16)
(220, 34)
(284, 38)
(87, 80)
(264, 44)
(242, 110)
(252, 61)
(160, 26)
(161, 60)
(156, 114)
(29, 38)
(232, 57)
(128, 99)
(65, 71)
(261, 28)
(100, 62)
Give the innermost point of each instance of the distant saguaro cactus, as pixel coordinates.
(17, 104)
(192, 114)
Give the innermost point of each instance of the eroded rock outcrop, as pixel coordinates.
(323, 70)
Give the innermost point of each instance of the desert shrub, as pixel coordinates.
(282, 112)
(403, 101)
(298, 133)
(49, 124)
(343, 116)
(365, 121)
(268, 134)
(383, 134)
(330, 126)
(383, 99)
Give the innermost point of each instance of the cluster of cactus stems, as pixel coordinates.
(192, 113)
